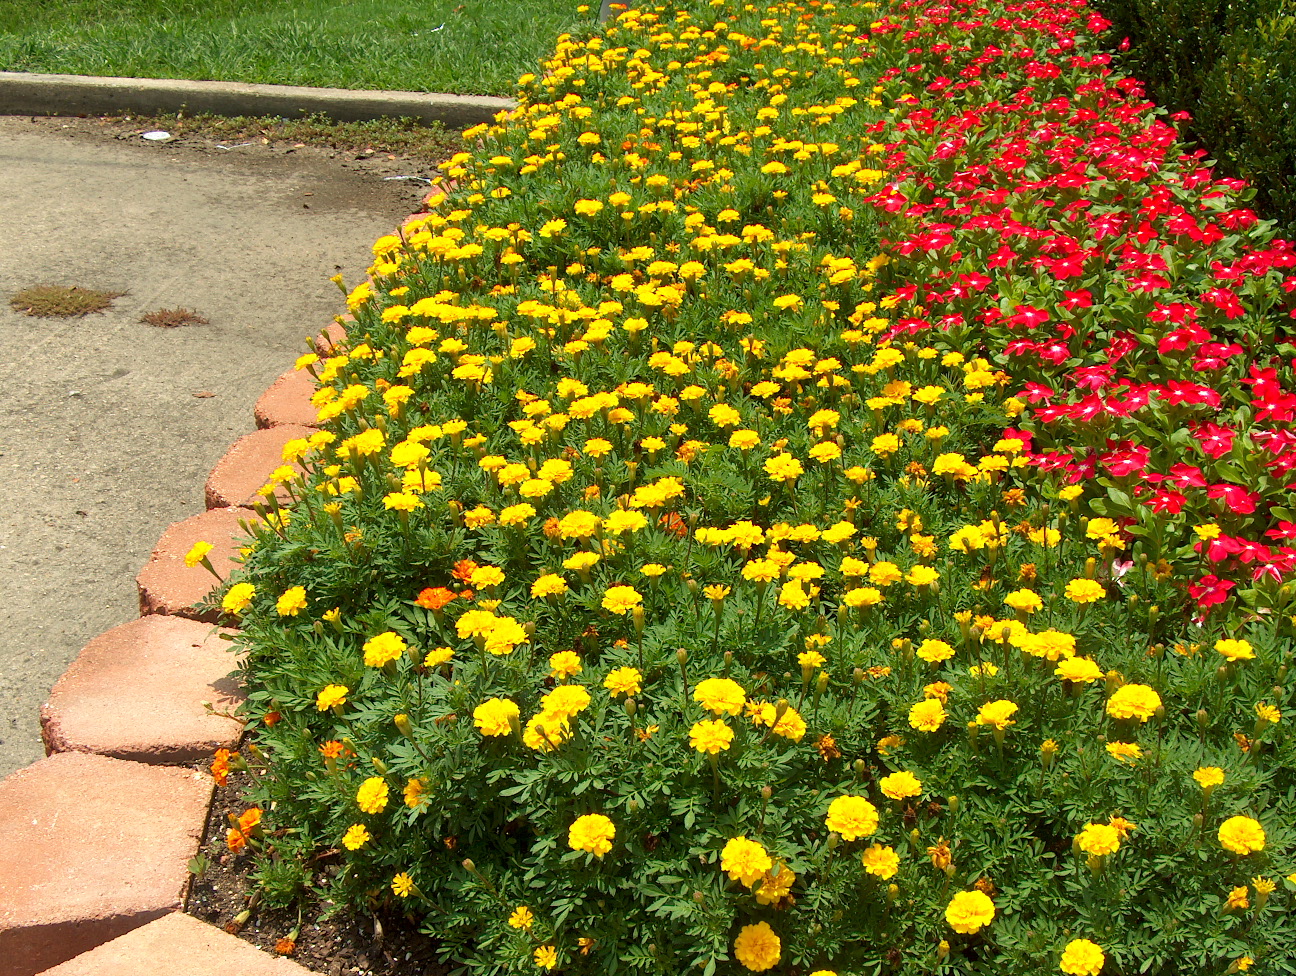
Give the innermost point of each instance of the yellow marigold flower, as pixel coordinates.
(934, 651)
(622, 521)
(623, 681)
(884, 445)
(579, 524)
(1049, 644)
(1235, 650)
(545, 731)
(880, 861)
(720, 696)
(551, 584)
(757, 946)
(484, 576)
(197, 554)
(1133, 701)
(401, 501)
(1099, 840)
(900, 786)
(862, 596)
(775, 885)
(1082, 958)
(1126, 752)
(811, 659)
(331, 695)
(593, 833)
(402, 885)
(239, 597)
(1085, 591)
(621, 599)
(1023, 601)
(546, 957)
(415, 793)
(516, 514)
(356, 836)
(885, 574)
(790, 726)
(383, 649)
(492, 716)
(761, 571)
(852, 817)
(783, 467)
(1208, 777)
(745, 861)
(825, 451)
(564, 664)
(1241, 835)
(522, 918)
(969, 912)
(1079, 669)
(437, 656)
(710, 736)
(291, 602)
(928, 715)
(566, 701)
(997, 713)
(372, 795)
(793, 596)
(921, 575)
(1268, 713)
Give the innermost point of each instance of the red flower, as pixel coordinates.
(1210, 590)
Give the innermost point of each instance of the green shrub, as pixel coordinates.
(1230, 64)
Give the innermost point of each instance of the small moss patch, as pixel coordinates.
(61, 300)
(173, 318)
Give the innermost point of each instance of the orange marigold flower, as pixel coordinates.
(435, 597)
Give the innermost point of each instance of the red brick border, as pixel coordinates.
(84, 744)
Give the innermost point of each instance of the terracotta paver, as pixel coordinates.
(247, 466)
(287, 401)
(177, 945)
(167, 585)
(91, 848)
(331, 337)
(138, 691)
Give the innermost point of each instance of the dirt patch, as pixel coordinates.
(344, 944)
(61, 301)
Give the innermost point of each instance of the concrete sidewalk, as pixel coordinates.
(108, 427)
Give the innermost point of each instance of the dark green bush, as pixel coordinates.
(1231, 64)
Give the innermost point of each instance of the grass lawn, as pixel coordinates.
(461, 46)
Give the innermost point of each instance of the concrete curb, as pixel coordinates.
(22, 93)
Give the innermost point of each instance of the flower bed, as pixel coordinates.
(683, 581)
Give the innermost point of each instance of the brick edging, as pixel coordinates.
(94, 940)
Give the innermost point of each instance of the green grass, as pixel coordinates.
(392, 44)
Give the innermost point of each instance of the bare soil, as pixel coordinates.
(344, 944)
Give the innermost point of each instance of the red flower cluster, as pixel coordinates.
(1048, 213)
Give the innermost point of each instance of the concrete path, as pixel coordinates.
(108, 426)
